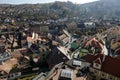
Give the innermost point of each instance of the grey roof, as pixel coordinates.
(76, 62)
(66, 73)
(4, 56)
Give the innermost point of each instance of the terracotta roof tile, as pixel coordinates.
(94, 42)
(90, 58)
(110, 65)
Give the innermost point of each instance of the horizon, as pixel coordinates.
(43, 1)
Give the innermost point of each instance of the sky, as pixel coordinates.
(41, 1)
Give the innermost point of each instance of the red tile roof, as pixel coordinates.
(90, 58)
(94, 42)
(110, 65)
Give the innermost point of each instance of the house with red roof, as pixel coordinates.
(104, 67)
(94, 45)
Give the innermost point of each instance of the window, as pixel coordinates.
(16, 73)
(96, 65)
(1, 78)
(8, 76)
(64, 58)
(95, 71)
(51, 79)
(5, 77)
(12, 75)
(110, 78)
(103, 75)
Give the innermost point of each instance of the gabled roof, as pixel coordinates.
(110, 65)
(90, 58)
(65, 36)
(71, 24)
(98, 60)
(61, 37)
(67, 33)
(65, 51)
(58, 54)
(94, 42)
(8, 65)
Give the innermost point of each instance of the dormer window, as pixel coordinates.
(110, 78)
(103, 75)
(96, 65)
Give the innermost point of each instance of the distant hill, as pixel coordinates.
(98, 9)
(103, 8)
(49, 10)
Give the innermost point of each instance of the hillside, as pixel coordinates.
(98, 9)
(50, 10)
(103, 8)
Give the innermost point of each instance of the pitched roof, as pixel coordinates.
(62, 36)
(7, 65)
(94, 42)
(90, 58)
(65, 51)
(98, 60)
(66, 32)
(110, 65)
(58, 54)
(17, 54)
